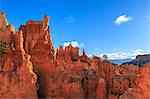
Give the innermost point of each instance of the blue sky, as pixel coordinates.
(89, 24)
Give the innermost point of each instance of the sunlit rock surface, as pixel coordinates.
(30, 69)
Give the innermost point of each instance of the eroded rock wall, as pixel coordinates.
(17, 79)
(29, 69)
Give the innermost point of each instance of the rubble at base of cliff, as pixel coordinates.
(31, 69)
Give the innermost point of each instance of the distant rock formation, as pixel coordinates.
(31, 69)
(140, 60)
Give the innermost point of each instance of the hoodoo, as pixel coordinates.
(30, 69)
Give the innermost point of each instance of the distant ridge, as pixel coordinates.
(121, 61)
(140, 60)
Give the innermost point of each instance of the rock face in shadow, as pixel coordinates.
(140, 60)
(31, 69)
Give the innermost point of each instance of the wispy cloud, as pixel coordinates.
(148, 17)
(96, 49)
(137, 38)
(123, 55)
(73, 43)
(138, 52)
(70, 18)
(121, 19)
(113, 56)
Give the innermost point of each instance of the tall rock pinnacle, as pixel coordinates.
(34, 31)
(31, 70)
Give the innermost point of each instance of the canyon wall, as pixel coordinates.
(30, 69)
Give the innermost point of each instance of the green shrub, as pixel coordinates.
(3, 46)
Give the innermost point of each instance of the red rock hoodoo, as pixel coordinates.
(30, 69)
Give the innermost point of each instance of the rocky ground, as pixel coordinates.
(30, 69)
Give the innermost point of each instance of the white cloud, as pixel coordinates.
(113, 56)
(138, 52)
(70, 19)
(73, 43)
(122, 19)
(124, 55)
(90, 56)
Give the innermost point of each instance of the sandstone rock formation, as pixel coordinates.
(17, 79)
(35, 30)
(5, 28)
(30, 69)
(142, 88)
